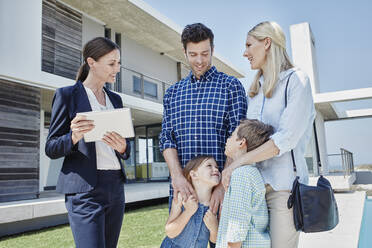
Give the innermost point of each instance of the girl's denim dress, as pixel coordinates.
(194, 235)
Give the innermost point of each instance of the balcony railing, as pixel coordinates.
(137, 84)
(341, 163)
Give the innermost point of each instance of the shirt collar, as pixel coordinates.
(206, 77)
(284, 74)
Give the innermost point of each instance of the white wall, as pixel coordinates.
(20, 44)
(49, 168)
(320, 129)
(303, 54)
(91, 29)
(148, 62)
(20, 47)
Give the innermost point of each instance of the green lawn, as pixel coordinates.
(142, 228)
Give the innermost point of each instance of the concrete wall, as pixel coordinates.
(303, 54)
(49, 168)
(148, 62)
(91, 29)
(320, 129)
(20, 45)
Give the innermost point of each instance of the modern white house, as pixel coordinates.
(40, 49)
(304, 56)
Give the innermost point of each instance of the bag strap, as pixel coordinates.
(292, 154)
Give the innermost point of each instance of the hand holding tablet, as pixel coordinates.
(116, 120)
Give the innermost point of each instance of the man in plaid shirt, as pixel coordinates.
(200, 112)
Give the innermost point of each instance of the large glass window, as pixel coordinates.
(150, 163)
(130, 164)
(311, 157)
(141, 154)
(149, 88)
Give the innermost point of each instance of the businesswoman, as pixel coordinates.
(92, 176)
(290, 110)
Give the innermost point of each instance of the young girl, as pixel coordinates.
(191, 223)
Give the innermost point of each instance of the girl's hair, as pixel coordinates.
(95, 48)
(194, 164)
(277, 59)
(255, 133)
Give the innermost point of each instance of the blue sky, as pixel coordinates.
(343, 39)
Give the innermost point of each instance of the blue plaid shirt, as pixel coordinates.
(199, 115)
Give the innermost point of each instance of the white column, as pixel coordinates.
(304, 57)
(43, 165)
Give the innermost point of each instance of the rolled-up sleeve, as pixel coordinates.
(59, 141)
(166, 136)
(237, 105)
(297, 116)
(126, 154)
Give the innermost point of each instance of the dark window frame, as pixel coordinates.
(137, 81)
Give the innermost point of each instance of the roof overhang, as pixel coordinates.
(324, 103)
(140, 22)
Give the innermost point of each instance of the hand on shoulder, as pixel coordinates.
(191, 204)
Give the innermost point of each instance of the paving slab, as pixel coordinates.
(346, 233)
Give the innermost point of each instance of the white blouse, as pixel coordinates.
(293, 127)
(106, 157)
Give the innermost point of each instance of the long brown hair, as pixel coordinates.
(95, 49)
(194, 164)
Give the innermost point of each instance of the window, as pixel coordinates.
(150, 88)
(61, 39)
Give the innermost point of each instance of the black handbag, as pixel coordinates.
(314, 207)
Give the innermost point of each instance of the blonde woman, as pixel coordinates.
(265, 50)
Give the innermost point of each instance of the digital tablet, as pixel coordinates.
(115, 120)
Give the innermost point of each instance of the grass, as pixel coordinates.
(142, 228)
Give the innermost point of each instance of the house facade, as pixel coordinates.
(40, 49)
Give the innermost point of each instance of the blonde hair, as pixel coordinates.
(277, 59)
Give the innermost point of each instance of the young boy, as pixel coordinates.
(244, 219)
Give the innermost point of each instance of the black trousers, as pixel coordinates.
(96, 216)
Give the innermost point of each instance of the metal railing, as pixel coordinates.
(137, 84)
(341, 163)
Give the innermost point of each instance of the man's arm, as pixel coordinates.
(168, 146)
(236, 112)
(179, 182)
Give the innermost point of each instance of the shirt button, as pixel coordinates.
(196, 137)
(196, 119)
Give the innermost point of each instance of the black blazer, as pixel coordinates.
(79, 169)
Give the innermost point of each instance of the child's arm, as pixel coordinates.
(177, 220)
(211, 222)
(239, 212)
(234, 245)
